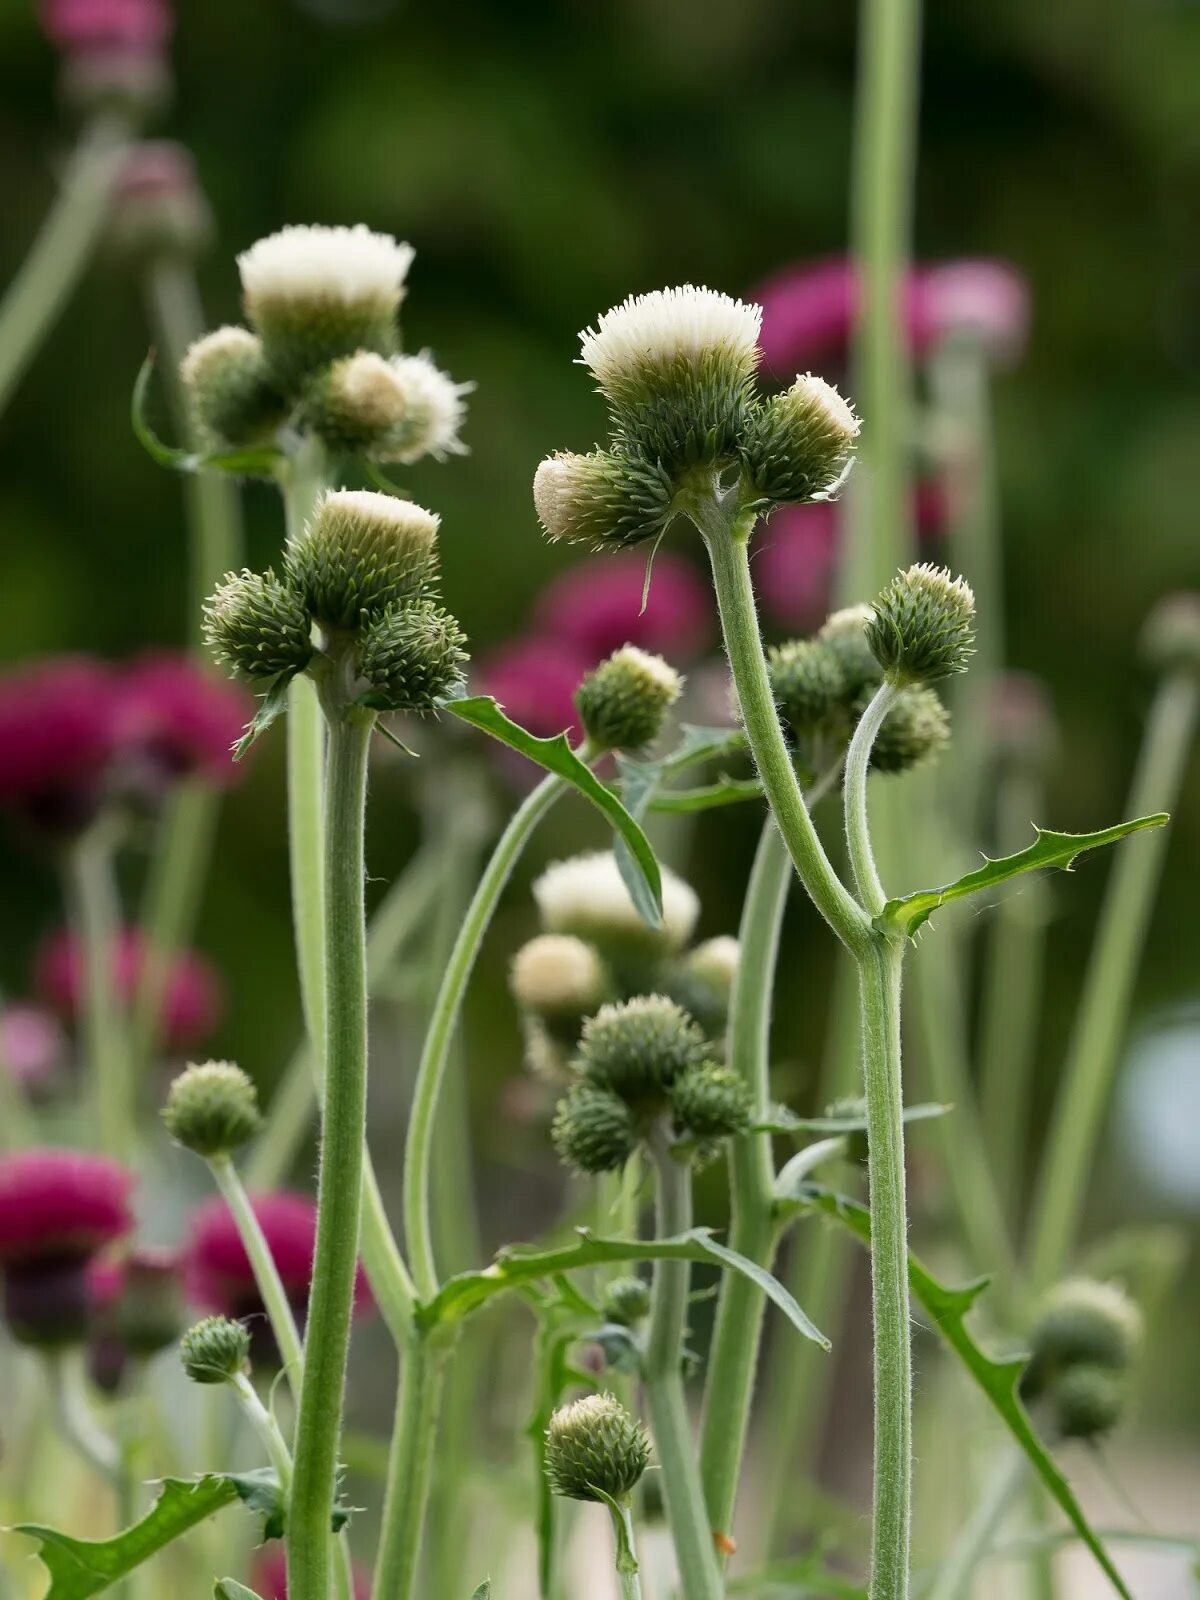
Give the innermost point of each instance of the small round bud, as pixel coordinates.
(1083, 1323)
(916, 729)
(215, 1350)
(355, 404)
(845, 633)
(922, 625)
(359, 552)
(593, 1130)
(638, 1048)
(561, 980)
(411, 656)
(586, 896)
(601, 499)
(624, 701)
(212, 1109)
(1088, 1402)
(808, 685)
(314, 294)
(799, 445)
(711, 1102)
(230, 390)
(677, 367)
(595, 1445)
(1171, 637)
(626, 1301)
(257, 626)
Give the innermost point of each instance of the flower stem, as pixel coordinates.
(267, 1428)
(96, 912)
(339, 1192)
(411, 1467)
(262, 1263)
(1108, 987)
(629, 1584)
(858, 831)
(61, 250)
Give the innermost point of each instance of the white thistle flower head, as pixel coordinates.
(360, 552)
(214, 350)
(315, 294)
(586, 896)
(715, 962)
(229, 388)
(800, 444)
(624, 701)
(557, 974)
(356, 405)
(600, 499)
(433, 410)
(815, 394)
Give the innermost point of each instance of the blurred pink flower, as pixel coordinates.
(535, 680)
(988, 300)
(83, 27)
(157, 167)
(178, 720)
(269, 1576)
(808, 314)
(597, 607)
(192, 996)
(32, 1044)
(794, 564)
(58, 733)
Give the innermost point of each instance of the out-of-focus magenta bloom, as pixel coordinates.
(931, 507)
(177, 720)
(157, 167)
(192, 999)
(597, 607)
(985, 300)
(535, 681)
(794, 564)
(58, 732)
(93, 27)
(32, 1044)
(269, 1577)
(136, 1309)
(808, 315)
(58, 1208)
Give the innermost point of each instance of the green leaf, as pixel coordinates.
(906, 915)
(626, 1561)
(792, 1184)
(80, 1568)
(948, 1308)
(726, 792)
(258, 462)
(484, 1591)
(462, 1295)
(271, 707)
(231, 1589)
(556, 755)
(378, 479)
(781, 1120)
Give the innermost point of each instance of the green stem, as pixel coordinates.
(262, 1264)
(267, 1428)
(339, 1190)
(436, 1052)
(411, 1468)
(879, 991)
(96, 912)
(60, 252)
(73, 1414)
(733, 1359)
(1103, 1014)
(858, 832)
(629, 1583)
(691, 1531)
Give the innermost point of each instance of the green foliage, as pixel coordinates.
(231, 1589)
(259, 461)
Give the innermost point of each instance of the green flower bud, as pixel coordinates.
(356, 404)
(595, 1445)
(916, 729)
(845, 633)
(799, 445)
(360, 552)
(212, 1109)
(639, 1047)
(230, 390)
(603, 499)
(626, 1301)
(624, 701)
(1171, 637)
(711, 1102)
(1088, 1402)
(411, 656)
(593, 1130)
(560, 980)
(677, 367)
(586, 895)
(922, 625)
(314, 294)
(215, 1350)
(1083, 1323)
(257, 626)
(808, 685)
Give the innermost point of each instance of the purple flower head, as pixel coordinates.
(535, 680)
(32, 1045)
(808, 315)
(981, 299)
(597, 607)
(107, 27)
(58, 733)
(793, 568)
(177, 720)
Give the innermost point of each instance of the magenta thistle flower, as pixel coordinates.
(135, 1309)
(597, 607)
(192, 999)
(793, 568)
(32, 1044)
(808, 315)
(980, 299)
(178, 720)
(58, 732)
(535, 681)
(102, 27)
(58, 1208)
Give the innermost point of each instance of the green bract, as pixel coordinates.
(593, 1130)
(233, 397)
(595, 1449)
(411, 657)
(797, 445)
(915, 729)
(359, 552)
(605, 499)
(711, 1102)
(638, 1048)
(215, 1350)
(808, 684)
(922, 625)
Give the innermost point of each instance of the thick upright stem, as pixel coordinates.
(1108, 987)
(695, 1552)
(411, 1468)
(262, 1264)
(879, 993)
(331, 1301)
(858, 832)
(96, 912)
(734, 1356)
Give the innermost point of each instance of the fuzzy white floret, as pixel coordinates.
(214, 348)
(351, 265)
(659, 674)
(816, 395)
(386, 511)
(716, 960)
(587, 891)
(651, 329)
(558, 483)
(434, 403)
(938, 580)
(556, 971)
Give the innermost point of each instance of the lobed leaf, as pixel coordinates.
(781, 1120)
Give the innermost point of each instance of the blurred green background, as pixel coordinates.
(546, 160)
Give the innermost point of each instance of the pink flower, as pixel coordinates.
(58, 732)
(269, 1577)
(808, 315)
(192, 1000)
(794, 564)
(177, 720)
(985, 300)
(32, 1045)
(597, 607)
(535, 681)
(85, 27)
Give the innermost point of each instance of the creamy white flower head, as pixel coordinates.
(656, 673)
(350, 266)
(216, 350)
(654, 330)
(383, 514)
(562, 485)
(847, 619)
(434, 409)
(821, 399)
(586, 894)
(716, 961)
(557, 973)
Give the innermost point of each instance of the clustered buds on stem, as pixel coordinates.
(595, 1450)
(212, 1109)
(1083, 1345)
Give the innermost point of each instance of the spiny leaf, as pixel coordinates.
(258, 462)
(948, 1307)
(781, 1120)
(556, 755)
(270, 708)
(907, 914)
(469, 1290)
(484, 1591)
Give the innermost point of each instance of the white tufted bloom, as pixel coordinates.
(586, 896)
(655, 330)
(557, 973)
(433, 410)
(352, 266)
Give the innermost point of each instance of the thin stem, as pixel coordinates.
(267, 1429)
(339, 1189)
(981, 1530)
(628, 1582)
(411, 1468)
(733, 1359)
(695, 1553)
(97, 914)
(74, 1416)
(436, 1052)
(858, 831)
(726, 540)
(1103, 1014)
(60, 252)
(879, 992)
(262, 1264)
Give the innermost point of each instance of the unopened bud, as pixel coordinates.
(212, 1109)
(638, 1048)
(922, 626)
(360, 552)
(230, 390)
(845, 634)
(411, 656)
(1083, 1323)
(626, 1301)
(215, 1350)
(808, 685)
(1088, 1402)
(603, 499)
(915, 730)
(799, 444)
(711, 1102)
(624, 701)
(257, 626)
(593, 1130)
(594, 1448)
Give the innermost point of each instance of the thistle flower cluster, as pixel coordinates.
(355, 598)
(677, 369)
(322, 354)
(1083, 1346)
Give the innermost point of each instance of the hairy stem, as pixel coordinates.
(96, 913)
(629, 1584)
(262, 1264)
(858, 831)
(411, 1468)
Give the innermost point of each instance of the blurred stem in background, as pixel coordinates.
(95, 907)
(60, 253)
